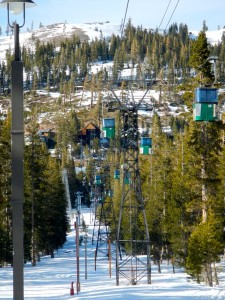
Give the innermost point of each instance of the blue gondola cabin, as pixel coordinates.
(117, 174)
(206, 95)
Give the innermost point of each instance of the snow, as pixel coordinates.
(92, 30)
(214, 36)
(52, 277)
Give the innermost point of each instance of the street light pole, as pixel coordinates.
(17, 150)
(17, 169)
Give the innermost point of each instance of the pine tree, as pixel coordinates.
(5, 192)
(52, 210)
(204, 248)
(199, 59)
(34, 166)
(206, 203)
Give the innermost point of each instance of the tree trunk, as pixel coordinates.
(208, 272)
(215, 274)
(159, 266)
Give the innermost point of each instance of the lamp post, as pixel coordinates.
(17, 133)
(79, 195)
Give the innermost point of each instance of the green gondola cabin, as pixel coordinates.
(205, 112)
(110, 193)
(127, 177)
(205, 106)
(101, 200)
(108, 127)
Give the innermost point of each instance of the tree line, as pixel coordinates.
(183, 179)
(153, 52)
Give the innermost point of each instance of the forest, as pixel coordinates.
(182, 180)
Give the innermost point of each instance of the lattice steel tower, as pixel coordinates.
(132, 239)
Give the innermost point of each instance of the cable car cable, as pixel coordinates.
(124, 20)
(172, 14)
(164, 14)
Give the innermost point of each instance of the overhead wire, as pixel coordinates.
(172, 14)
(124, 20)
(122, 30)
(164, 14)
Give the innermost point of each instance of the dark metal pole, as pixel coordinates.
(17, 171)
(110, 258)
(85, 256)
(77, 254)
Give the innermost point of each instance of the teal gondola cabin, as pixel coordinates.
(117, 174)
(108, 127)
(145, 145)
(97, 180)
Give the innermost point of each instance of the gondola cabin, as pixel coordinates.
(117, 174)
(108, 127)
(206, 95)
(205, 112)
(97, 180)
(127, 177)
(110, 193)
(145, 145)
(101, 200)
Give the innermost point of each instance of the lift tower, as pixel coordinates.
(103, 222)
(132, 239)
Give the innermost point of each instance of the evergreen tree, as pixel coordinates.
(5, 192)
(204, 249)
(206, 202)
(52, 210)
(199, 59)
(34, 167)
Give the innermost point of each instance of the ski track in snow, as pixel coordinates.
(52, 277)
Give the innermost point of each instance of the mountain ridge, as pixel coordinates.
(86, 32)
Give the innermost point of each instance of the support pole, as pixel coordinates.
(110, 258)
(85, 256)
(77, 254)
(17, 198)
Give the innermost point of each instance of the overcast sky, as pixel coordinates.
(148, 13)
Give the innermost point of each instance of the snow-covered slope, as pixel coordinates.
(52, 277)
(214, 37)
(87, 31)
(57, 32)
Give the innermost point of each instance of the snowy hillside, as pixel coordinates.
(57, 32)
(214, 37)
(52, 277)
(87, 31)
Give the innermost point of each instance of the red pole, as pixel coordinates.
(71, 289)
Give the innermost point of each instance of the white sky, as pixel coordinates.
(147, 13)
